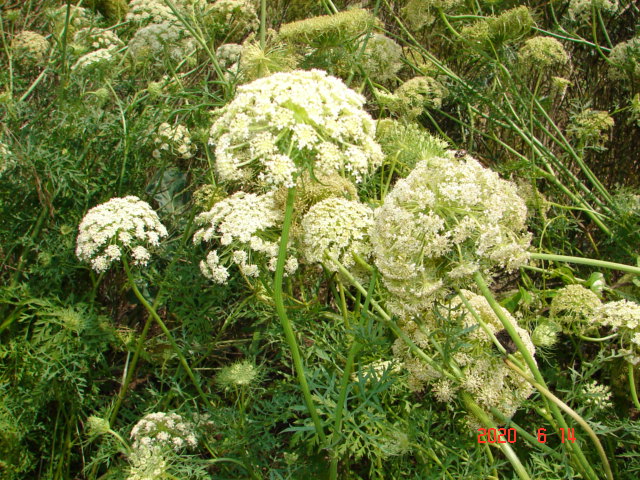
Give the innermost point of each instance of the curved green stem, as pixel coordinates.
(586, 261)
(597, 339)
(130, 371)
(632, 387)
(286, 323)
(481, 415)
(570, 412)
(583, 464)
(165, 330)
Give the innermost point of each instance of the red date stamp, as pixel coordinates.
(509, 435)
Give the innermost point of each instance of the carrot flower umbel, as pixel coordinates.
(121, 226)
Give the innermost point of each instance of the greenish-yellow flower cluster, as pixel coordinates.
(349, 24)
(542, 53)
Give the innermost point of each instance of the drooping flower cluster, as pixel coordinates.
(483, 372)
(173, 140)
(447, 220)
(245, 226)
(118, 227)
(623, 317)
(164, 431)
(29, 48)
(276, 125)
(339, 227)
(381, 59)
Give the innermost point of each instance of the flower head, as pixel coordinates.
(447, 220)
(242, 373)
(573, 306)
(484, 374)
(277, 124)
(164, 431)
(623, 317)
(118, 227)
(173, 140)
(625, 60)
(339, 227)
(381, 59)
(543, 53)
(29, 48)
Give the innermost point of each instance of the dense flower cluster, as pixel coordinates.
(96, 60)
(419, 13)
(29, 48)
(543, 53)
(144, 12)
(580, 11)
(276, 124)
(147, 464)
(245, 225)
(414, 96)
(96, 38)
(447, 220)
(623, 317)
(625, 59)
(239, 374)
(163, 430)
(573, 306)
(508, 27)
(381, 59)
(79, 17)
(596, 395)
(173, 140)
(339, 227)
(233, 19)
(159, 41)
(484, 374)
(590, 127)
(117, 227)
(347, 24)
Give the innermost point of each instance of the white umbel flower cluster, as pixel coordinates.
(484, 374)
(144, 12)
(164, 431)
(246, 226)
(118, 227)
(159, 41)
(447, 220)
(97, 38)
(623, 317)
(276, 125)
(147, 464)
(340, 227)
(96, 60)
(173, 140)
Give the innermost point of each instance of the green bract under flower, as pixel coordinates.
(278, 126)
(447, 220)
(339, 227)
(119, 226)
(484, 374)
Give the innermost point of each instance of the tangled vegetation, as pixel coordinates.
(319, 239)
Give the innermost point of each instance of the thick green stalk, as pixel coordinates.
(570, 412)
(632, 387)
(263, 24)
(286, 323)
(586, 261)
(165, 330)
(583, 464)
(481, 415)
